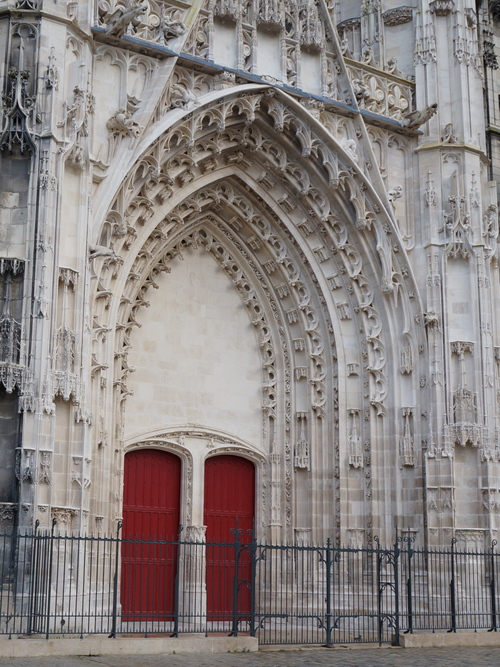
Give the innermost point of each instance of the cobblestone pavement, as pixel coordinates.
(310, 657)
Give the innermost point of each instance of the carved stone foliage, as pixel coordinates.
(121, 125)
(397, 16)
(151, 20)
(195, 534)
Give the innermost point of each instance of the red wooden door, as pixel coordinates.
(151, 499)
(229, 502)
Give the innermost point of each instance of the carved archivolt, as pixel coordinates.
(298, 229)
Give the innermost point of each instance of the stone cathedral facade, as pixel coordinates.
(262, 228)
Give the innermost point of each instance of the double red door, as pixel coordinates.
(151, 503)
(151, 510)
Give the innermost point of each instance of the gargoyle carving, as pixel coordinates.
(361, 89)
(182, 97)
(415, 119)
(122, 17)
(431, 320)
(172, 28)
(121, 123)
(101, 251)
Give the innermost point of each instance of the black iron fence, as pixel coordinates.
(54, 584)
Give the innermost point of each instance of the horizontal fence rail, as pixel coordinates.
(56, 585)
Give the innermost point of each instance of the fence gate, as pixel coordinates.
(325, 595)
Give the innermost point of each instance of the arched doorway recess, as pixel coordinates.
(151, 505)
(229, 505)
(294, 220)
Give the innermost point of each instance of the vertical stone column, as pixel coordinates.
(192, 603)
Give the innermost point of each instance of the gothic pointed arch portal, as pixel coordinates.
(294, 222)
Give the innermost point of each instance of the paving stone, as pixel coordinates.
(338, 657)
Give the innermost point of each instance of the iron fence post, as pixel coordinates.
(328, 564)
(237, 551)
(396, 592)
(49, 582)
(33, 584)
(492, 590)
(452, 589)
(409, 589)
(115, 583)
(379, 589)
(253, 570)
(175, 633)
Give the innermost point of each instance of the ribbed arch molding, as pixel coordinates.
(309, 246)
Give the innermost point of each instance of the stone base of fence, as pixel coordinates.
(443, 639)
(27, 647)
